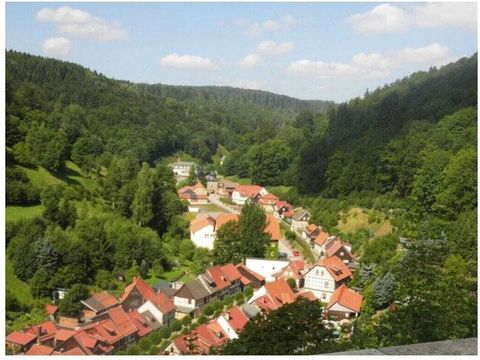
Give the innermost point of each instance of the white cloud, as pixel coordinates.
(461, 15)
(80, 23)
(383, 18)
(188, 62)
(272, 25)
(273, 48)
(374, 65)
(57, 46)
(386, 18)
(251, 61)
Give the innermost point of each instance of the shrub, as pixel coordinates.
(228, 300)
(208, 310)
(202, 319)
(240, 297)
(133, 350)
(155, 336)
(154, 350)
(291, 282)
(145, 343)
(217, 305)
(187, 320)
(248, 292)
(165, 332)
(176, 325)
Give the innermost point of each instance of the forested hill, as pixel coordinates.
(354, 147)
(245, 96)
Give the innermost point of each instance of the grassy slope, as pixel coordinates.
(23, 212)
(20, 289)
(357, 219)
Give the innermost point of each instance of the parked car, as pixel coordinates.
(296, 252)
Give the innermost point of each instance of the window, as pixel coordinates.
(324, 296)
(326, 284)
(322, 273)
(316, 272)
(341, 253)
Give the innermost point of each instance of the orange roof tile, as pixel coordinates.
(347, 298)
(139, 321)
(311, 228)
(141, 286)
(268, 199)
(218, 277)
(251, 272)
(50, 309)
(20, 338)
(121, 321)
(337, 268)
(248, 190)
(64, 334)
(200, 223)
(321, 238)
(307, 295)
(231, 272)
(163, 303)
(273, 227)
(334, 246)
(39, 349)
(236, 318)
(224, 218)
(281, 291)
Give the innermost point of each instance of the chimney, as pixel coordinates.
(227, 316)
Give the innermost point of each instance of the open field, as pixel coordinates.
(23, 212)
(357, 219)
(19, 288)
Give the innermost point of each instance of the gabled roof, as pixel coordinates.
(281, 291)
(321, 238)
(311, 228)
(163, 303)
(140, 322)
(141, 286)
(273, 228)
(44, 330)
(50, 309)
(267, 302)
(20, 338)
(280, 204)
(337, 268)
(197, 191)
(122, 321)
(200, 223)
(268, 199)
(202, 339)
(218, 277)
(334, 246)
(248, 190)
(291, 271)
(236, 318)
(231, 273)
(221, 219)
(64, 334)
(347, 298)
(39, 349)
(299, 213)
(100, 301)
(192, 290)
(306, 295)
(250, 273)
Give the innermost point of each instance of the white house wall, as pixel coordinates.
(266, 268)
(204, 237)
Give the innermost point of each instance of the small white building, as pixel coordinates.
(163, 313)
(319, 281)
(202, 232)
(300, 220)
(244, 192)
(181, 169)
(267, 268)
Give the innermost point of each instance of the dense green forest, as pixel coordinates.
(89, 154)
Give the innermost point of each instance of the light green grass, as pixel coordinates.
(40, 177)
(14, 213)
(243, 181)
(210, 208)
(357, 219)
(272, 251)
(19, 288)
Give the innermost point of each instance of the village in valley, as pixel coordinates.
(222, 300)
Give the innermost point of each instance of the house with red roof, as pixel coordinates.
(250, 277)
(294, 270)
(323, 278)
(51, 310)
(199, 342)
(98, 304)
(135, 294)
(344, 303)
(310, 232)
(242, 193)
(283, 210)
(19, 342)
(39, 349)
(336, 248)
(273, 295)
(300, 219)
(159, 308)
(273, 228)
(320, 242)
(226, 279)
(267, 202)
(196, 194)
(233, 321)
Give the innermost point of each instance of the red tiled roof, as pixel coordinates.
(347, 298)
(163, 303)
(201, 340)
(334, 246)
(197, 191)
(139, 321)
(307, 295)
(268, 199)
(281, 291)
(280, 204)
(337, 268)
(44, 331)
(64, 334)
(321, 238)
(311, 228)
(231, 272)
(267, 302)
(218, 277)
(245, 281)
(20, 338)
(236, 318)
(142, 287)
(50, 309)
(291, 271)
(105, 299)
(224, 218)
(74, 351)
(39, 349)
(273, 228)
(288, 214)
(200, 223)
(248, 190)
(251, 272)
(121, 321)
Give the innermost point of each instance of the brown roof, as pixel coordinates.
(321, 238)
(100, 301)
(192, 290)
(250, 273)
(197, 191)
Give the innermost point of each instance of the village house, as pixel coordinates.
(300, 219)
(232, 322)
(294, 270)
(158, 309)
(192, 297)
(323, 278)
(226, 279)
(266, 268)
(336, 248)
(310, 232)
(267, 202)
(181, 169)
(226, 188)
(136, 294)
(321, 241)
(98, 304)
(195, 195)
(19, 342)
(250, 277)
(212, 183)
(242, 193)
(344, 303)
(283, 210)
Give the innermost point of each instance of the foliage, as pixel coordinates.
(70, 305)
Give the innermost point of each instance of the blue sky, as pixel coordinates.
(330, 51)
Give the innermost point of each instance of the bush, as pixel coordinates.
(291, 282)
(187, 320)
(217, 313)
(145, 343)
(165, 332)
(202, 319)
(228, 300)
(154, 350)
(240, 298)
(290, 235)
(241, 301)
(155, 336)
(176, 325)
(208, 310)
(217, 305)
(248, 292)
(133, 350)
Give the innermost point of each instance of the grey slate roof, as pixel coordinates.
(250, 310)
